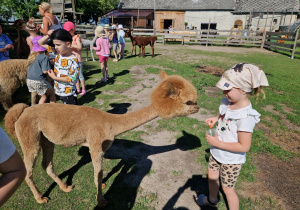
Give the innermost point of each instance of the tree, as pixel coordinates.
(94, 8)
(23, 9)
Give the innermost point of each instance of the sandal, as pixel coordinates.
(200, 202)
(115, 60)
(78, 90)
(83, 92)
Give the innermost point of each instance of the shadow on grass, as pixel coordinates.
(134, 165)
(91, 93)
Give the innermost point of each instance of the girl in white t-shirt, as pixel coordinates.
(235, 125)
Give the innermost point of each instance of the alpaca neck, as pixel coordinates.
(125, 122)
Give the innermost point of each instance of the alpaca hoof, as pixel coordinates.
(68, 188)
(103, 186)
(42, 200)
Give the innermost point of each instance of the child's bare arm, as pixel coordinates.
(54, 77)
(243, 144)
(29, 42)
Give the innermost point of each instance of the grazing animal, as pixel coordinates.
(142, 42)
(13, 73)
(20, 45)
(174, 96)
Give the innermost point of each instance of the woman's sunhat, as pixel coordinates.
(99, 31)
(36, 46)
(106, 26)
(120, 26)
(243, 76)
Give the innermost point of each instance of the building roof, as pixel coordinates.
(285, 6)
(129, 13)
(179, 4)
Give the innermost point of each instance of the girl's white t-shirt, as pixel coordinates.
(229, 123)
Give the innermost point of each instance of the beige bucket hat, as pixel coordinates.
(243, 76)
(99, 31)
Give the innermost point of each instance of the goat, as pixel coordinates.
(142, 42)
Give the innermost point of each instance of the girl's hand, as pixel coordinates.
(212, 140)
(3, 49)
(211, 121)
(51, 73)
(50, 32)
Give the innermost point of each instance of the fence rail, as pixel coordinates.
(277, 41)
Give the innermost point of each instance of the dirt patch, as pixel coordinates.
(216, 71)
(276, 179)
(289, 139)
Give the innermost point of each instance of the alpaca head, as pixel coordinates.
(174, 97)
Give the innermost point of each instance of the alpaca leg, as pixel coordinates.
(139, 51)
(7, 102)
(97, 156)
(47, 163)
(152, 46)
(29, 140)
(135, 50)
(132, 50)
(144, 49)
(33, 98)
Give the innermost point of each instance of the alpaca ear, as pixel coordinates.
(163, 75)
(170, 90)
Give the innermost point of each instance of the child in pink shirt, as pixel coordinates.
(103, 51)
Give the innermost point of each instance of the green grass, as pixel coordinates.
(74, 164)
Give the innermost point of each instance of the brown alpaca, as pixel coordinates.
(133, 40)
(35, 128)
(20, 44)
(13, 73)
(142, 42)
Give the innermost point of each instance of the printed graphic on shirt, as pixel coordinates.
(65, 67)
(223, 125)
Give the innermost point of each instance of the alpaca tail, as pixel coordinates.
(12, 116)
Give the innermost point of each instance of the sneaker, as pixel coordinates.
(103, 80)
(123, 57)
(115, 60)
(107, 76)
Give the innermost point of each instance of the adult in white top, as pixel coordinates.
(50, 22)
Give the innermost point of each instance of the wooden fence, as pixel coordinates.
(206, 37)
(282, 41)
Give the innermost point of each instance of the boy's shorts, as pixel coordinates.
(228, 172)
(103, 58)
(69, 99)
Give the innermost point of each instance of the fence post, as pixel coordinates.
(208, 33)
(263, 39)
(295, 43)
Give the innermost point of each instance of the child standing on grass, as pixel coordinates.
(37, 78)
(31, 28)
(103, 51)
(121, 36)
(66, 69)
(76, 49)
(232, 140)
(114, 38)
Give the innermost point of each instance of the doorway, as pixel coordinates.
(167, 23)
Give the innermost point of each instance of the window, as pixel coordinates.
(204, 26)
